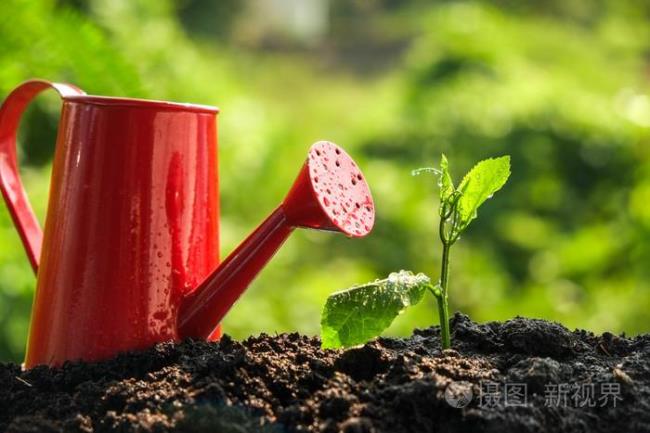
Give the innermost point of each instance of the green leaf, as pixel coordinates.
(486, 178)
(445, 183)
(356, 315)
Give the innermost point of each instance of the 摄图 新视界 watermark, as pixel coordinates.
(511, 394)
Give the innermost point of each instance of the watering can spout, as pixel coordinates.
(330, 193)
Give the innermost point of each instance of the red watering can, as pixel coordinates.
(129, 255)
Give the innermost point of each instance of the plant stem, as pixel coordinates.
(449, 231)
(443, 307)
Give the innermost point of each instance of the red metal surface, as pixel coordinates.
(203, 309)
(330, 193)
(10, 184)
(133, 221)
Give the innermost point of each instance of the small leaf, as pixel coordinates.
(445, 183)
(356, 315)
(486, 178)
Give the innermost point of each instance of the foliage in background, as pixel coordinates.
(563, 87)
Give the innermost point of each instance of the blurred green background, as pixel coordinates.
(563, 86)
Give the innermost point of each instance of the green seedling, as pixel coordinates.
(356, 315)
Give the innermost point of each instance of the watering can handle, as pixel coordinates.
(12, 188)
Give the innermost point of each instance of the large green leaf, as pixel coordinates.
(483, 180)
(355, 315)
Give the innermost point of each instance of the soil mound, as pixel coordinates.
(523, 375)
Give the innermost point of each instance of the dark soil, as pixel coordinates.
(286, 383)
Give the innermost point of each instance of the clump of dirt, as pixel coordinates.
(520, 376)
